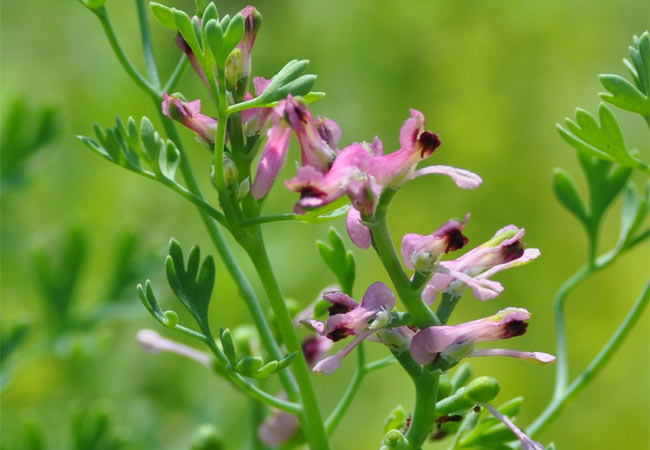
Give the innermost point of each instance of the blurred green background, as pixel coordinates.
(492, 77)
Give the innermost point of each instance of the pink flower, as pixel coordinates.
(317, 142)
(347, 318)
(318, 189)
(189, 114)
(475, 267)
(252, 24)
(422, 252)
(453, 342)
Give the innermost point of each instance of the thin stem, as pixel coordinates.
(177, 74)
(248, 104)
(313, 426)
(245, 289)
(147, 47)
(562, 352)
(267, 219)
(343, 405)
(126, 64)
(421, 314)
(447, 305)
(247, 386)
(380, 363)
(595, 366)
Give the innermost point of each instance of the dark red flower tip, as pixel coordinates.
(428, 143)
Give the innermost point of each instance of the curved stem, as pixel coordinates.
(380, 363)
(426, 393)
(313, 426)
(245, 289)
(595, 366)
(126, 64)
(147, 47)
(447, 304)
(343, 405)
(176, 75)
(246, 385)
(562, 353)
(421, 314)
(287, 217)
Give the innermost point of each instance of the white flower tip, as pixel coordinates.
(327, 365)
(542, 358)
(149, 340)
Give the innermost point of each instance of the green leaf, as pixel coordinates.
(288, 81)
(232, 36)
(633, 213)
(339, 261)
(93, 4)
(623, 94)
(567, 194)
(185, 27)
(603, 142)
(326, 213)
(267, 370)
(164, 15)
(286, 360)
(148, 299)
(169, 160)
(249, 365)
(209, 12)
(192, 286)
(396, 419)
(228, 345)
(214, 38)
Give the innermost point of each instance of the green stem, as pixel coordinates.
(313, 425)
(343, 405)
(245, 385)
(426, 392)
(147, 47)
(562, 352)
(248, 104)
(447, 304)
(380, 363)
(421, 314)
(126, 64)
(245, 289)
(558, 404)
(267, 219)
(176, 75)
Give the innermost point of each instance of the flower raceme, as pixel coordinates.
(347, 318)
(474, 268)
(453, 342)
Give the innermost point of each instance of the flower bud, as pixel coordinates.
(482, 389)
(230, 172)
(394, 439)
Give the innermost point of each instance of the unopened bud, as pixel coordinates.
(230, 172)
(246, 340)
(482, 389)
(394, 439)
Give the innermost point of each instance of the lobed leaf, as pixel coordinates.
(339, 261)
(567, 194)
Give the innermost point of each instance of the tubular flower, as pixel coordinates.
(189, 114)
(317, 139)
(348, 318)
(526, 442)
(239, 62)
(475, 267)
(422, 252)
(185, 48)
(317, 142)
(318, 189)
(453, 342)
(394, 169)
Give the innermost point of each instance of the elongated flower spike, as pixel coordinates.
(453, 342)
(189, 114)
(421, 253)
(527, 443)
(473, 269)
(317, 143)
(348, 318)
